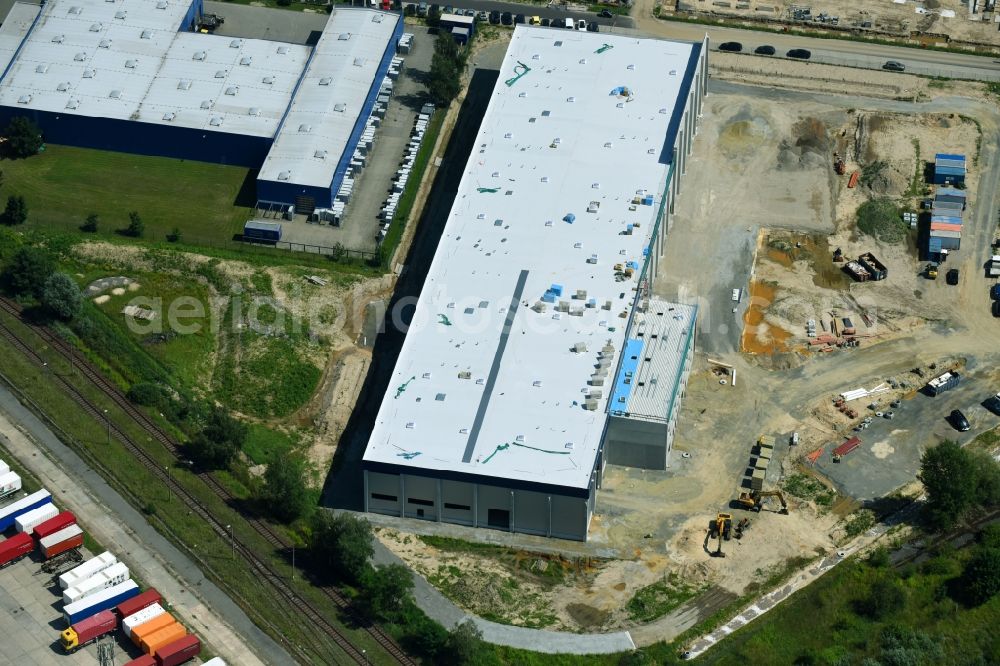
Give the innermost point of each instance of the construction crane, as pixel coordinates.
(720, 528)
(753, 500)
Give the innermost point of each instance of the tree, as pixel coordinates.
(16, 211)
(885, 598)
(464, 644)
(90, 226)
(447, 65)
(341, 545)
(24, 138)
(387, 590)
(434, 18)
(285, 494)
(949, 477)
(27, 271)
(61, 296)
(135, 227)
(219, 441)
(981, 577)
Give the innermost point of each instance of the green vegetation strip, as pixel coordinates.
(402, 217)
(146, 492)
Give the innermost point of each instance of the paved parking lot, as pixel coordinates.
(890, 451)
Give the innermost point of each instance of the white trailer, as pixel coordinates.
(10, 483)
(92, 566)
(114, 575)
(141, 617)
(27, 521)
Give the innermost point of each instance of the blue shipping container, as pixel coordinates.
(266, 231)
(9, 513)
(103, 600)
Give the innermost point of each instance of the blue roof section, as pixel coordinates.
(623, 382)
(950, 191)
(667, 153)
(934, 244)
(948, 156)
(949, 170)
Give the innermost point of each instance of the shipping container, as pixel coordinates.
(141, 617)
(256, 230)
(168, 634)
(942, 383)
(136, 604)
(89, 629)
(15, 548)
(140, 631)
(54, 524)
(10, 483)
(27, 522)
(179, 651)
(103, 600)
(144, 660)
(215, 661)
(59, 542)
(92, 566)
(4, 467)
(116, 574)
(9, 513)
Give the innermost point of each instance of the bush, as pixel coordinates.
(464, 644)
(90, 225)
(387, 590)
(340, 546)
(219, 441)
(146, 394)
(980, 580)
(135, 227)
(284, 494)
(27, 271)
(957, 480)
(881, 218)
(24, 138)
(16, 212)
(174, 236)
(885, 598)
(61, 296)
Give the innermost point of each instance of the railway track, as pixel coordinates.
(82, 365)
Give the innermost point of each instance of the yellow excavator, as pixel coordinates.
(721, 528)
(754, 500)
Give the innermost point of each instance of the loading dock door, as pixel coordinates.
(498, 518)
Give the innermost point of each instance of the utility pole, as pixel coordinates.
(107, 418)
(168, 482)
(232, 539)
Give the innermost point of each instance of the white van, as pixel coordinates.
(581, 25)
(568, 24)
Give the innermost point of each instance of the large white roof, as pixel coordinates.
(13, 29)
(126, 60)
(330, 98)
(485, 383)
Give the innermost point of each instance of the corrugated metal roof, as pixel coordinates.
(949, 170)
(520, 325)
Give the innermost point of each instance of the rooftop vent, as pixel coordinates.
(284, 175)
(246, 60)
(80, 57)
(305, 128)
(89, 73)
(216, 121)
(184, 84)
(121, 15)
(162, 4)
(571, 99)
(325, 81)
(41, 69)
(340, 107)
(320, 154)
(130, 64)
(558, 42)
(104, 44)
(254, 111)
(344, 36)
(663, 110)
(631, 68)
(59, 39)
(546, 113)
(236, 43)
(377, 18)
(72, 104)
(282, 50)
(207, 104)
(359, 62)
(232, 90)
(440, 397)
(63, 87)
(24, 99)
(115, 94)
(268, 80)
(199, 55)
(94, 27)
(146, 34)
(75, 10)
(220, 74)
(169, 115)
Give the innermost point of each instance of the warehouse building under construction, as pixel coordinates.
(537, 353)
(133, 76)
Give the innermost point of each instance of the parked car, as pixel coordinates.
(546, 22)
(951, 277)
(483, 16)
(604, 13)
(506, 19)
(996, 308)
(581, 24)
(592, 27)
(733, 47)
(801, 54)
(535, 20)
(958, 421)
(519, 18)
(995, 292)
(495, 17)
(894, 66)
(764, 50)
(448, 9)
(992, 403)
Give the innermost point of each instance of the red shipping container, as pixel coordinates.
(54, 524)
(144, 660)
(15, 547)
(88, 629)
(73, 539)
(137, 603)
(847, 447)
(179, 651)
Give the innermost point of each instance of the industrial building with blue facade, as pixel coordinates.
(133, 76)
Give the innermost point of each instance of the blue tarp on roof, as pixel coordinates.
(949, 156)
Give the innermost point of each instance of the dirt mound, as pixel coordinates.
(744, 134)
(809, 146)
(587, 616)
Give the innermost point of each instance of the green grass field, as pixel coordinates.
(62, 185)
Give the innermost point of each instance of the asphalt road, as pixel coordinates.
(553, 12)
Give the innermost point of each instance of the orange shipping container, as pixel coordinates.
(147, 628)
(944, 226)
(154, 641)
